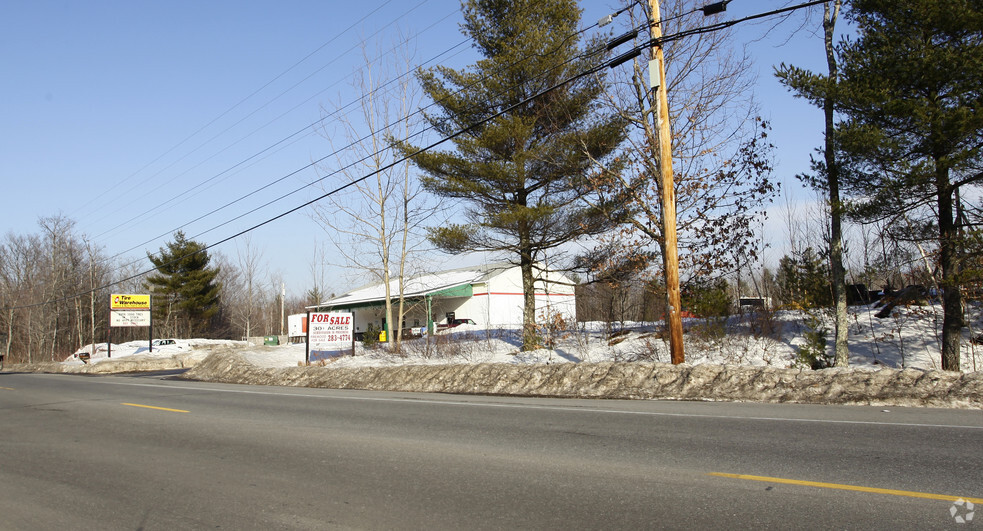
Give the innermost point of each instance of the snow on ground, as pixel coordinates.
(910, 338)
(141, 349)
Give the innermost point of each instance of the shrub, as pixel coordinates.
(765, 323)
(370, 339)
(712, 302)
(813, 353)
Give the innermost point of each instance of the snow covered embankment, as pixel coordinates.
(614, 380)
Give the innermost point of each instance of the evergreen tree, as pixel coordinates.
(520, 175)
(708, 298)
(802, 281)
(911, 139)
(185, 292)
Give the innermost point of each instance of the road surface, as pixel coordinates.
(119, 452)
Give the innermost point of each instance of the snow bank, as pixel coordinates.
(135, 356)
(893, 361)
(619, 380)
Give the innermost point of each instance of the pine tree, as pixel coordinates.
(185, 293)
(909, 90)
(802, 281)
(519, 176)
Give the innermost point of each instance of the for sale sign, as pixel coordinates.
(329, 334)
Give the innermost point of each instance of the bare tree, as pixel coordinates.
(376, 224)
(275, 293)
(318, 268)
(720, 150)
(828, 180)
(249, 259)
(45, 281)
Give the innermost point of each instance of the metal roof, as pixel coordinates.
(418, 286)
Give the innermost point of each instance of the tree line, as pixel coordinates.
(55, 286)
(552, 158)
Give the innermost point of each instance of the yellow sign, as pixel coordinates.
(120, 301)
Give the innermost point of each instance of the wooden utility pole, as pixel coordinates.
(671, 252)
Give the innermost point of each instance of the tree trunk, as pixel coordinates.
(530, 339)
(841, 347)
(10, 334)
(952, 320)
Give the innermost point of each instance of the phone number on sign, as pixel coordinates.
(332, 338)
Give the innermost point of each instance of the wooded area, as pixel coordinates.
(549, 149)
(55, 288)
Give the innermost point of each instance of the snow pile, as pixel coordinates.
(136, 356)
(892, 361)
(622, 380)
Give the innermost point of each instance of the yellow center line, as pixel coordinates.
(157, 408)
(874, 490)
(7, 388)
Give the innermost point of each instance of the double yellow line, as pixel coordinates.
(857, 488)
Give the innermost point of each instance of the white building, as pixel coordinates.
(489, 295)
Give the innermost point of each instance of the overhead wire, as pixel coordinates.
(368, 156)
(610, 64)
(292, 138)
(498, 113)
(330, 155)
(590, 71)
(236, 105)
(253, 112)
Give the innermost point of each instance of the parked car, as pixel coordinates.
(455, 323)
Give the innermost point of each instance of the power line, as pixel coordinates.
(261, 107)
(593, 70)
(395, 163)
(236, 105)
(295, 136)
(368, 135)
(338, 56)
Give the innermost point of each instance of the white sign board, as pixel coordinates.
(129, 318)
(329, 334)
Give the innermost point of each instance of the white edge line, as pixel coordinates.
(548, 408)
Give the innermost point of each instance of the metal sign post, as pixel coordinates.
(307, 340)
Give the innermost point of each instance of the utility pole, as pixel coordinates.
(657, 77)
(283, 297)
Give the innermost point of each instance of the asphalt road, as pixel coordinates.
(149, 453)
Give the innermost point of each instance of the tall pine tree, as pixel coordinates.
(185, 293)
(519, 176)
(910, 92)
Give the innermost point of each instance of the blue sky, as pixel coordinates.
(136, 118)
